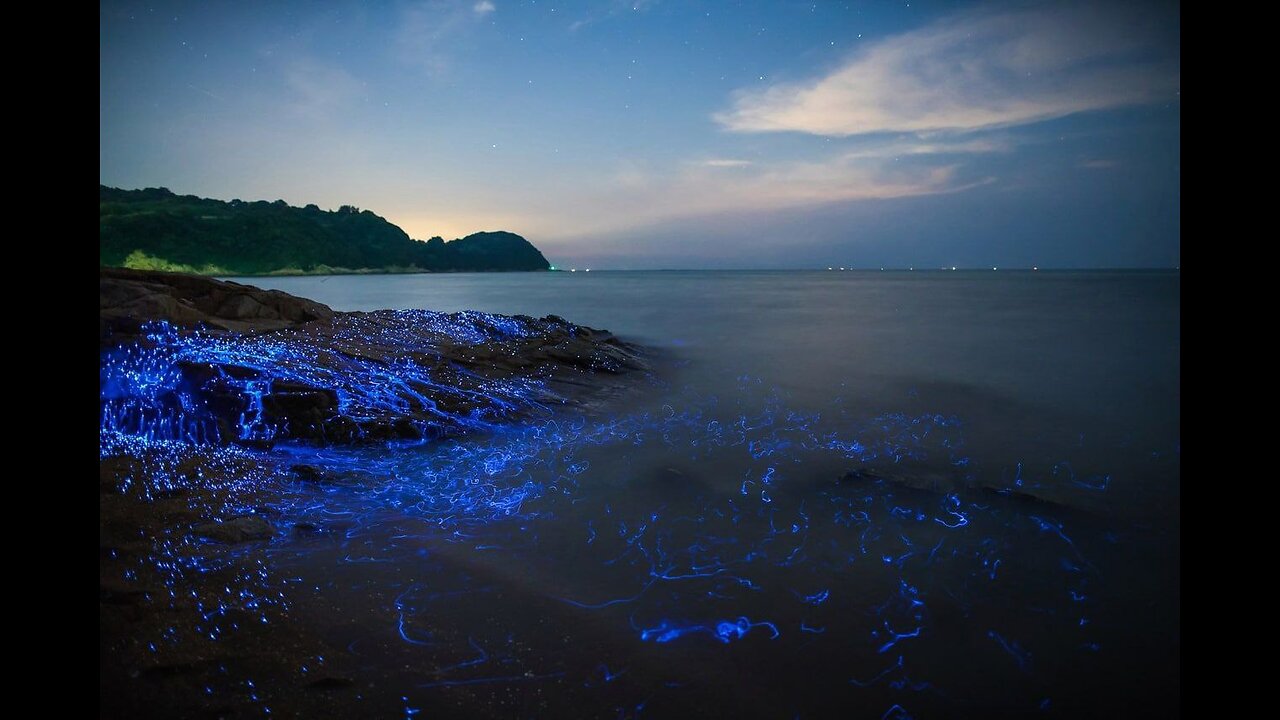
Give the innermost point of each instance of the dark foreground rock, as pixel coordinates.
(236, 530)
(129, 298)
(195, 359)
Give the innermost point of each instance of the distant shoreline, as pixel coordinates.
(155, 229)
(324, 272)
(330, 272)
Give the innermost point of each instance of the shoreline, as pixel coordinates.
(209, 436)
(326, 272)
(303, 370)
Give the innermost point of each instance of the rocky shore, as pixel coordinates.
(188, 357)
(205, 384)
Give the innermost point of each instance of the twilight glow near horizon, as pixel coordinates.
(664, 134)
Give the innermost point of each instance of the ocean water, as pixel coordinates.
(1070, 364)
(882, 494)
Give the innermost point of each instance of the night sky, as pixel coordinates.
(665, 134)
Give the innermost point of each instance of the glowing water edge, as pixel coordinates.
(701, 548)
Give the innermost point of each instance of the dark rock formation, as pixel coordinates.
(269, 366)
(236, 530)
(128, 298)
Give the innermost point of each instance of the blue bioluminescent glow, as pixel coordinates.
(724, 631)
(384, 367)
(854, 560)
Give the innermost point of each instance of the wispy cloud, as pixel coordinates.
(637, 193)
(317, 87)
(723, 163)
(915, 146)
(429, 30)
(217, 97)
(1100, 164)
(616, 8)
(973, 71)
(845, 177)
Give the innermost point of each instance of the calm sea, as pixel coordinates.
(1011, 547)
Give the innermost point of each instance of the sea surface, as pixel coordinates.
(877, 494)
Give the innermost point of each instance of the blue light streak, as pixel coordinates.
(724, 631)
(1022, 657)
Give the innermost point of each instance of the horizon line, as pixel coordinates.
(1176, 268)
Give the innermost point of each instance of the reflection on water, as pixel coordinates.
(877, 496)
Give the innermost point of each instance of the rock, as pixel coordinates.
(306, 473)
(236, 530)
(922, 481)
(285, 368)
(1026, 497)
(128, 298)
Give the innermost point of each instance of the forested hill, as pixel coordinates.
(154, 229)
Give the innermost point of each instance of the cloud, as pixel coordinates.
(976, 70)
(638, 193)
(842, 178)
(209, 93)
(724, 162)
(914, 146)
(317, 87)
(896, 167)
(1097, 164)
(429, 31)
(615, 9)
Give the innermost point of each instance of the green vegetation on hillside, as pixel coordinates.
(155, 229)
